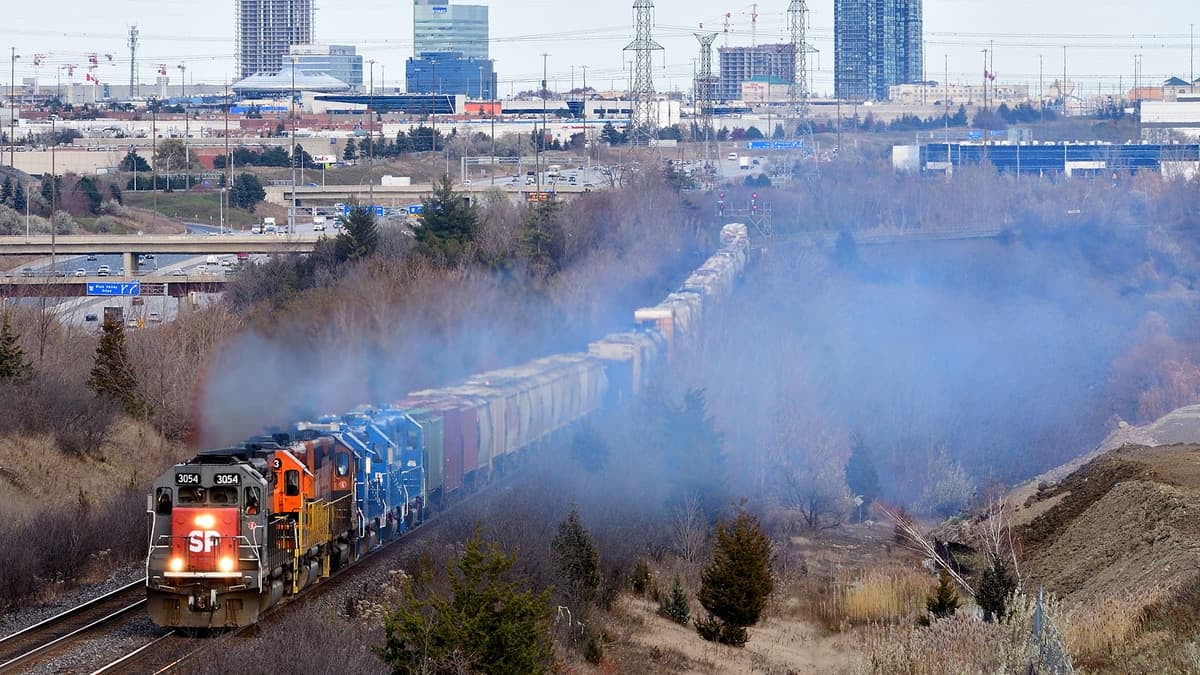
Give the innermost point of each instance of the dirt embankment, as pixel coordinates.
(1123, 524)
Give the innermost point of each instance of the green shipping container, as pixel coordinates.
(434, 433)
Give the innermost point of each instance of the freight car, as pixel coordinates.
(234, 531)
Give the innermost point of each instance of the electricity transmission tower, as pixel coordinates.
(133, 43)
(704, 87)
(641, 116)
(798, 92)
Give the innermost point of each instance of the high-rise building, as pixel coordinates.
(266, 29)
(450, 73)
(439, 26)
(876, 44)
(340, 61)
(773, 64)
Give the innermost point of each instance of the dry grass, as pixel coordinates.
(1097, 630)
(894, 593)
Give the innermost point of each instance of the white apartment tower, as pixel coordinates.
(267, 29)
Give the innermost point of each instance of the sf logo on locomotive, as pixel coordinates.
(203, 541)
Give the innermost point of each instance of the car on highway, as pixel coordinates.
(103, 271)
(91, 257)
(89, 317)
(179, 273)
(154, 317)
(132, 323)
(81, 272)
(26, 272)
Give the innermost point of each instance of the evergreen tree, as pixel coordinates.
(542, 241)
(246, 191)
(134, 162)
(351, 151)
(448, 224)
(734, 588)
(112, 375)
(91, 193)
(19, 198)
(13, 366)
(484, 624)
(577, 557)
(675, 606)
(779, 133)
(995, 588)
(861, 477)
(359, 236)
(944, 601)
(690, 449)
(6, 191)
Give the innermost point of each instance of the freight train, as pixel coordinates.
(233, 531)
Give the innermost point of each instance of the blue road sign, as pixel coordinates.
(415, 209)
(774, 145)
(379, 211)
(114, 288)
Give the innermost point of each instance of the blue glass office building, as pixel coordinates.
(439, 26)
(451, 73)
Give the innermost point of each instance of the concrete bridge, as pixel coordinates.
(130, 246)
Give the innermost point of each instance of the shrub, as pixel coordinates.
(676, 607)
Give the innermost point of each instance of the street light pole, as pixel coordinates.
(292, 215)
(12, 108)
(371, 141)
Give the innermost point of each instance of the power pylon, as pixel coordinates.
(133, 43)
(798, 92)
(641, 117)
(704, 85)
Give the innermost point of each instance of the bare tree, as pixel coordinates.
(689, 530)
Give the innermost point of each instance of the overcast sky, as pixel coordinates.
(1102, 38)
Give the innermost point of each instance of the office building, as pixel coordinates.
(340, 61)
(450, 73)
(439, 26)
(768, 64)
(267, 29)
(876, 44)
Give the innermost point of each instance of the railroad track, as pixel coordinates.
(41, 641)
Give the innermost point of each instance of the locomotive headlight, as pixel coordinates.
(225, 564)
(206, 521)
(175, 564)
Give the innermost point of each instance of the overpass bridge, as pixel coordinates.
(176, 286)
(402, 195)
(130, 246)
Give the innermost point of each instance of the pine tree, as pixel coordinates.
(542, 241)
(19, 199)
(578, 559)
(861, 477)
(484, 624)
(112, 375)
(734, 588)
(995, 588)
(6, 191)
(944, 601)
(675, 606)
(359, 236)
(13, 366)
(449, 224)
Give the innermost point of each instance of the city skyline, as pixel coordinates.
(1025, 39)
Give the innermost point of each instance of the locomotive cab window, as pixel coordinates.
(343, 463)
(163, 502)
(291, 483)
(252, 498)
(191, 495)
(223, 495)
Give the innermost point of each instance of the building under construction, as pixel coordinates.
(876, 44)
(267, 29)
(774, 64)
